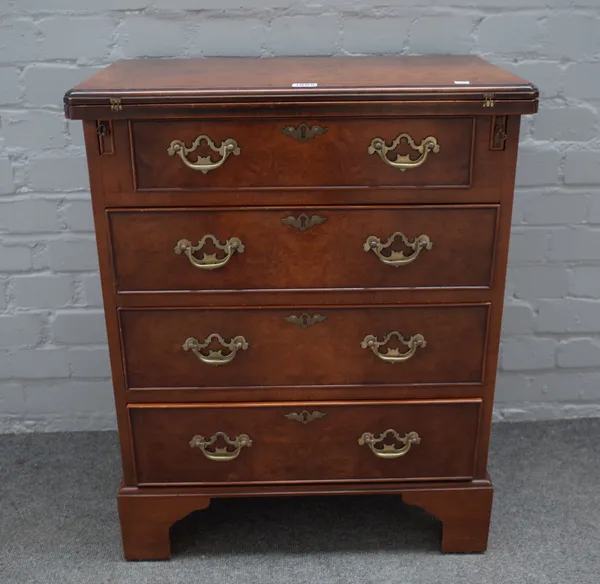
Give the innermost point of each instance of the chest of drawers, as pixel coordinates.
(303, 266)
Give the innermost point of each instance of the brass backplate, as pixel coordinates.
(304, 132)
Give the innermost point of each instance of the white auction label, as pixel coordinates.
(305, 84)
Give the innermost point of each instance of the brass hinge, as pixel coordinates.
(488, 100)
(115, 104)
(106, 144)
(499, 132)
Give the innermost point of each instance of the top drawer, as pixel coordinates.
(398, 152)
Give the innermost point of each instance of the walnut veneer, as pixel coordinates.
(303, 266)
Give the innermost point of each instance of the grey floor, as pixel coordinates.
(58, 522)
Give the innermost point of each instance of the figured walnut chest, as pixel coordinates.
(303, 266)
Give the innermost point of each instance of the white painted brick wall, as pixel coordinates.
(54, 368)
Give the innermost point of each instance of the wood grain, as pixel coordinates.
(327, 255)
(149, 86)
(283, 450)
(270, 158)
(281, 354)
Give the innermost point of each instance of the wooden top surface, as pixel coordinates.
(250, 75)
(145, 87)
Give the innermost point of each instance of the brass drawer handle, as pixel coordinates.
(204, 163)
(397, 258)
(394, 355)
(404, 162)
(221, 454)
(216, 357)
(209, 261)
(389, 450)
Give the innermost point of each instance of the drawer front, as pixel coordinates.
(250, 347)
(398, 152)
(305, 442)
(353, 247)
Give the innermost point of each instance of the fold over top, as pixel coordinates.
(135, 88)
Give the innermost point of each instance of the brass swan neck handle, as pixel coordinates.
(221, 454)
(394, 355)
(404, 162)
(204, 164)
(209, 261)
(397, 258)
(216, 358)
(389, 450)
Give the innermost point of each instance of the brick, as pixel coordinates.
(73, 255)
(578, 243)
(90, 362)
(585, 281)
(539, 281)
(76, 133)
(526, 34)
(528, 244)
(520, 388)
(18, 40)
(10, 91)
(571, 36)
(582, 167)
(15, 258)
(69, 398)
(573, 124)
(46, 84)
(12, 401)
(374, 35)
(79, 216)
(33, 130)
(143, 36)
(512, 388)
(582, 80)
(500, 3)
(517, 318)
(288, 34)
(593, 214)
(435, 35)
(20, 330)
(567, 315)
(42, 291)
(7, 185)
(59, 174)
(29, 216)
(537, 166)
(547, 77)
(527, 353)
(578, 353)
(5, 369)
(79, 327)
(41, 363)
(561, 385)
(61, 34)
(552, 209)
(78, 5)
(223, 4)
(3, 283)
(547, 411)
(244, 37)
(92, 290)
(525, 128)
